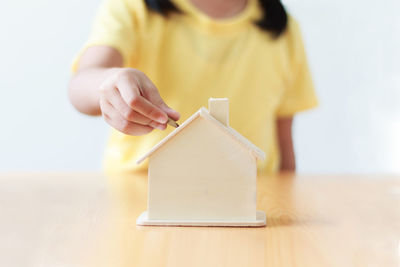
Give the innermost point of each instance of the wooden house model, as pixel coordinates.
(203, 173)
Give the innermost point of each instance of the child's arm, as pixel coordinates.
(126, 97)
(288, 161)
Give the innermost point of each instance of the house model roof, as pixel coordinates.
(203, 112)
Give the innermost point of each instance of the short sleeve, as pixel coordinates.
(299, 95)
(115, 25)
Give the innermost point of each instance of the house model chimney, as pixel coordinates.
(219, 109)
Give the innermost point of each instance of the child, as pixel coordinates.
(145, 54)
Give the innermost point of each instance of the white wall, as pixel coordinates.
(353, 49)
(354, 53)
(39, 128)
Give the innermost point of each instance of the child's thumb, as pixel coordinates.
(173, 114)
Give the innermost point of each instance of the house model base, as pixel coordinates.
(259, 222)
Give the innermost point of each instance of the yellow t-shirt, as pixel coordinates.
(191, 57)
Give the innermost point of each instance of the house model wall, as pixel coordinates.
(204, 172)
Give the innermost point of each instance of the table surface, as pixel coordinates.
(87, 219)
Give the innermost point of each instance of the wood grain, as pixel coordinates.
(85, 219)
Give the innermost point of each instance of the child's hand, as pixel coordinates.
(131, 103)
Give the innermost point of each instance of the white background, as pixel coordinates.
(353, 49)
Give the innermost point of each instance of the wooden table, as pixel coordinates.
(86, 219)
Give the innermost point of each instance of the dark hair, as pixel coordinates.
(273, 21)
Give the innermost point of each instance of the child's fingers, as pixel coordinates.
(130, 93)
(114, 119)
(172, 113)
(151, 93)
(128, 113)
